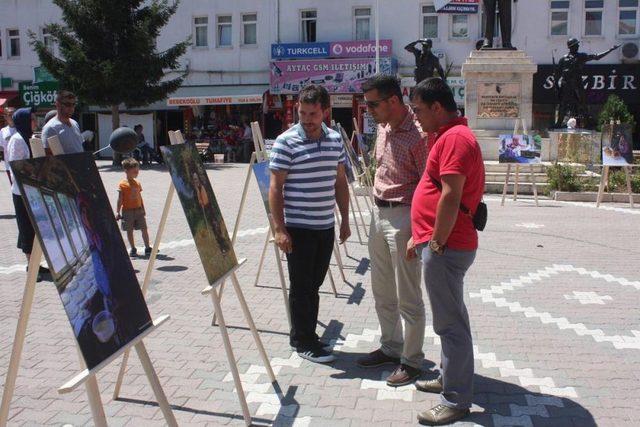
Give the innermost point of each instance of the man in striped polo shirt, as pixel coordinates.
(307, 179)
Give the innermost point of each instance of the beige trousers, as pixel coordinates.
(395, 282)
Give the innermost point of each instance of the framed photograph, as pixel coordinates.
(201, 209)
(519, 148)
(617, 145)
(263, 176)
(74, 222)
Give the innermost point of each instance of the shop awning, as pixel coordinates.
(217, 95)
(5, 97)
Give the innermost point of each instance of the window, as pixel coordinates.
(628, 17)
(362, 23)
(14, 43)
(308, 20)
(48, 40)
(429, 22)
(201, 28)
(593, 17)
(224, 31)
(559, 18)
(459, 26)
(250, 29)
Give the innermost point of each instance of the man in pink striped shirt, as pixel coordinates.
(401, 156)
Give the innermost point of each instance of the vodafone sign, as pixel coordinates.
(215, 100)
(359, 49)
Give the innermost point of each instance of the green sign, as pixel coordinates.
(6, 82)
(41, 94)
(41, 74)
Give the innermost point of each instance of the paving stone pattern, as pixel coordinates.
(553, 298)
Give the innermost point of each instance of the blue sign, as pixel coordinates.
(299, 50)
(459, 8)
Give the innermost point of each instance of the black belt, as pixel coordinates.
(385, 204)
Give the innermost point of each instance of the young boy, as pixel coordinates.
(131, 205)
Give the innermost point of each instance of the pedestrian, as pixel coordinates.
(442, 221)
(308, 178)
(63, 126)
(401, 155)
(148, 154)
(130, 206)
(5, 134)
(18, 149)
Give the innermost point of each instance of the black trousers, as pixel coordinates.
(26, 233)
(308, 265)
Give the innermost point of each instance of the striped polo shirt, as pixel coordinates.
(311, 165)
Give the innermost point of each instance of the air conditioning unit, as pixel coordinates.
(630, 52)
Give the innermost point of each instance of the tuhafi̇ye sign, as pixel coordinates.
(346, 49)
(42, 94)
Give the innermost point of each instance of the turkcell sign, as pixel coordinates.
(41, 94)
(457, 6)
(346, 49)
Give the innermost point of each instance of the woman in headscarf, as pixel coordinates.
(18, 149)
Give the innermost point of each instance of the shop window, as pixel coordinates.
(201, 28)
(308, 20)
(459, 26)
(14, 43)
(250, 29)
(628, 18)
(48, 40)
(362, 23)
(593, 10)
(429, 22)
(559, 16)
(224, 31)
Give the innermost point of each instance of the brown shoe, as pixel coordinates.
(430, 386)
(375, 359)
(441, 415)
(403, 375)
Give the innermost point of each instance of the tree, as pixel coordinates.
(615, 109)
(108, 52)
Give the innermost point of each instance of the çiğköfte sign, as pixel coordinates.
(347, 49)
(42, 94)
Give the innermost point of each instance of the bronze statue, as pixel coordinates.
(426, 61)
(504, 10)
(569, 85)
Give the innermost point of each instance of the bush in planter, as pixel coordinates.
(615, 109)
(618, 182)
(563, 178)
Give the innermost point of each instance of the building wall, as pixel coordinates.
(400, 20)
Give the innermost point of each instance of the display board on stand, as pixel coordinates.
(616, 150)
(518, 149)
(78, 234)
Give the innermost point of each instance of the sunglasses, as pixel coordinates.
(375, 104)
(69, 104)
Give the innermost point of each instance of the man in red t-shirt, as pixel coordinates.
(447, 241)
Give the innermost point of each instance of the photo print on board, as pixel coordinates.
(617, 145)
(74, 222)
(519, 148)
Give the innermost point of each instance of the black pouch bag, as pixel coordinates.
(482, 212)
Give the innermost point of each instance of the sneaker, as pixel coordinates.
(43, 270)
(325, 345)
(377, 358)
(133, 252)
(430, 386)
(403, 375)
(317, 355)
(441, 415)
(147, 251)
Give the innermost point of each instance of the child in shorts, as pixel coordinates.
(131, 207)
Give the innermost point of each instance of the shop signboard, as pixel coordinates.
(341, 101)
(215, 100)
(599, 81)
(344, 49)
(41, 74)
(336, 75)
(456, 6)
(42, 94)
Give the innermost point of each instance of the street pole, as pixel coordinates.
(377, 36)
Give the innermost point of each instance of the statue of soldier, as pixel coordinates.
(568, 81)
(426, 61)
(504, 11)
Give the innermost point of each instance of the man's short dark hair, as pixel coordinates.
(315, 94)
(434, 89)
(65, 95)
(387, 86)
(138, 126)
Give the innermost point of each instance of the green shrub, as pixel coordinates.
(618, 182)
(615, 109)
(563, 178)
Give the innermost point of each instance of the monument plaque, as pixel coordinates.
(499, 100)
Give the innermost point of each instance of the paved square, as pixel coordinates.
(553, 298)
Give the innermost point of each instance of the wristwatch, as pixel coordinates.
(436, 247)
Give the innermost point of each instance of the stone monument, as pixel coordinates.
(504, 13)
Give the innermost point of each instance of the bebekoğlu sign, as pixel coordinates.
(346, 49)
(215, 100)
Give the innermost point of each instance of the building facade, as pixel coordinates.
(228, 65)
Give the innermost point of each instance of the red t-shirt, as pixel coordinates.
(455, 152)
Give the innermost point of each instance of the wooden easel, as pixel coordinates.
(176, 138)
(604, 182)
(368, 181)
(86, 377)
(517, 171)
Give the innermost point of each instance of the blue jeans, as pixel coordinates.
(444, 277)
